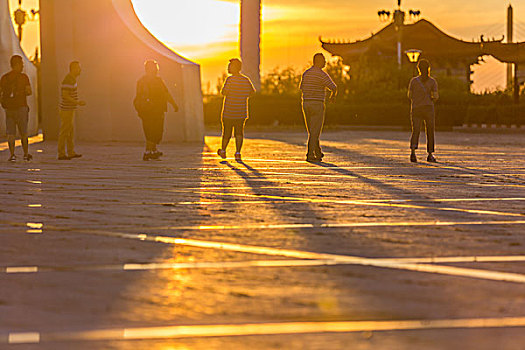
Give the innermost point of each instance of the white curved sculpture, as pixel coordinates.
(9, 46)
(111, 43)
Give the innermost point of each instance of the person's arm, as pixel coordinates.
(435, 92)
(169, 97)
(28, 90)
(252, 89)
(329, 83)
(226, 87)
(409, 93)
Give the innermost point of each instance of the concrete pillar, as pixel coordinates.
(251, 40)
(111, 44)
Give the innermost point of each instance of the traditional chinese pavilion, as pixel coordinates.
(448, 55)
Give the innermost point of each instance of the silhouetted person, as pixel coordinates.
(14, 89)
(314, 84)
(236, 91)
(423, 92)
(69, 103)
(151, 104)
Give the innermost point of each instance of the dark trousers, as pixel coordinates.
(419, 115)
(153, 126)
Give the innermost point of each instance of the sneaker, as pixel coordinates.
(63, 158)
(431, 158)
(413, 158)
(222, 153)
(313, 159)
(146, 156)
(76, 155)
(28, 157)
(158, 153)
(238, 156)
(12, 158)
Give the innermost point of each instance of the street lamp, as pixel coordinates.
(413, 55)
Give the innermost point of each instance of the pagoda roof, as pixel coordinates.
(433, 42)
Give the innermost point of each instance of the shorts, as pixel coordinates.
(153, 126)
(17, 117)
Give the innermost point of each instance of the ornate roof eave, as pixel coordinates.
(440, 45)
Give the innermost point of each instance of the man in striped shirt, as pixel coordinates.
(68, 106)
(314, 84)
(236, 91)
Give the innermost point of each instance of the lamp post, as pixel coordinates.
(20, 19)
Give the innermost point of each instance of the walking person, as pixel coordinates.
(236, 91)
(314, 84)
(151, 103)
(69, 103)
(423, 93)
(14, 89)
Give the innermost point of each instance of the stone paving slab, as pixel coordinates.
(114, 244)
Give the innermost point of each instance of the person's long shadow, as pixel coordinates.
(423, 203)
(275, 195)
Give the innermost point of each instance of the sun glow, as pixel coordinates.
(195, 26)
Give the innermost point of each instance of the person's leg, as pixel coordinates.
(227, 131)
(430, 126)
(146, 127)
(63, 134)
(22, 123)
(239, 134)
(11, 143)
(10, 122)
(159, 132)
(70, 139)
(416, 130)
(430, 131)
(319, 122)
(307, 113)
(316, 125)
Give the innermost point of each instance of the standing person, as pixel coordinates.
(314, 84)
(151, 103)
(69, 103)
(236, 91)
(423, 92)
(14, 89)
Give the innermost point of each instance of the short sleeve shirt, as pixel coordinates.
(421, 92)
(236, 90)
(314, 83)
(69, 88)
(13, 89)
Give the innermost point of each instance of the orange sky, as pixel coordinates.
(207, 30)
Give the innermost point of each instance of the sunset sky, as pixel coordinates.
(206, 31)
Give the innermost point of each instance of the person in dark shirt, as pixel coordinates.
(151, 103)
(14, 89)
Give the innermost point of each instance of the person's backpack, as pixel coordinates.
(142, 102)
(8, 93)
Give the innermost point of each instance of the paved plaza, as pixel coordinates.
(363, 251)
